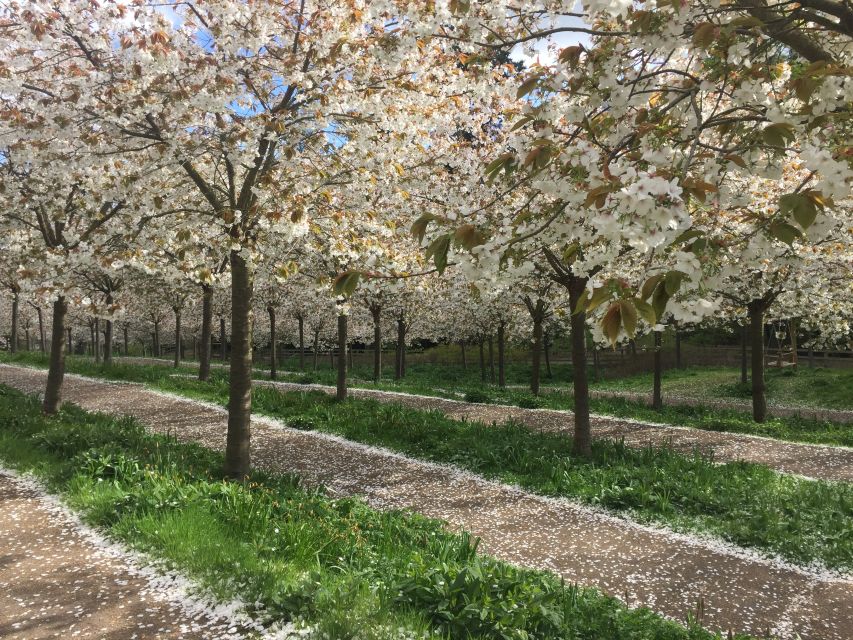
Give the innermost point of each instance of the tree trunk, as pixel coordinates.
(69, 346)
(657, 401)
(583, 437)
(108, 342)
(13, 342)
(223, 340)
(744, 334)
(793, 329)
(126, 343)
(237, 453)
(96, 340)
(537, 352)
(501, 354)
(157, 339)
(482, 362)
(464, 356)
(206, 333)
(178, 339)
(401, 348)
(377, 343)
(678, 362)
(273, 338)
(595, 370)
(756, 330)
(547, 345)
(342, 357)
(301, 322)
(28, 339)
(491, 359)
(316, 347)
(56, 372)
(42, 345)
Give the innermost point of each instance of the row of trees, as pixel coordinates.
(669, 164)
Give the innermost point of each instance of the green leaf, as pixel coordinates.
(420, 225)
(672, 282)
(659, 299)
(527, 86)
(785, 232)
(345, 283)
(629, 317)
(437, 250)
(645, 310)
(582, 302)
(778, 134)
(599, 296)
(800, 206)
(649, 286)
(612, 322)
(688, 235)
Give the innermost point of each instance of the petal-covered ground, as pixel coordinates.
(671, 573)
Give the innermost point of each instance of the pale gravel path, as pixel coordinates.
(821, 462)
(56, 583)
(668, 572)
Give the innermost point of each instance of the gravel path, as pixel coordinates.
(668, 572)
(57, 582)
(814, 461)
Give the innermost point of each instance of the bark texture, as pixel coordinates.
(206, 333)
(56, 371)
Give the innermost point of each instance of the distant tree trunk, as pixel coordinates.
(491, 359)
(28, 338)
(332, 358)
(464, 356)
(657, 401)
(56, 371)
(400, 366)
(223, 340)
(678, 363)
(157, 351)
(108, 334)
(273, 340)
(237, 452)
(96, 339)
(793, 329)
(744, 336)
(537, 354)
(482, 362)
(583, 436)
(126, 343)
(342, 358)
(178, 339)
(595, 370)
(42, 344)
(756, 309)
(376, 311)
(206, 350)
(547, 345)
(301, 322)
(633, 344)
(13, 341)
(501, 355)
(69, 346)
(316, 347)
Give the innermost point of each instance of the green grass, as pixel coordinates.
(747, 504)
(337, 565)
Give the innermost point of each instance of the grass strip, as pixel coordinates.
(338, 566)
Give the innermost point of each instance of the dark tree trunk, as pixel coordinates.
(482, 362)
(595, 371)
(178, 339)
(301, 322)
(56, 372)
(237, 453)
(206, 333)
(13, 342)
(96, 339)
(744, 336)
(377, 342)
(756, 329)
(108, 342)
(537, 353)
(223, 340)
(273, 339)
(399, 366)
(547, 345)
(42, 344)
(27, 337)
(583, 437)
(678, 362)
(316, 347)
(657, 401)
(491, 359)
(126, 343)
(69, 347)
(342, 358)
(157, 339)
(501, 354)
(464, 356)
